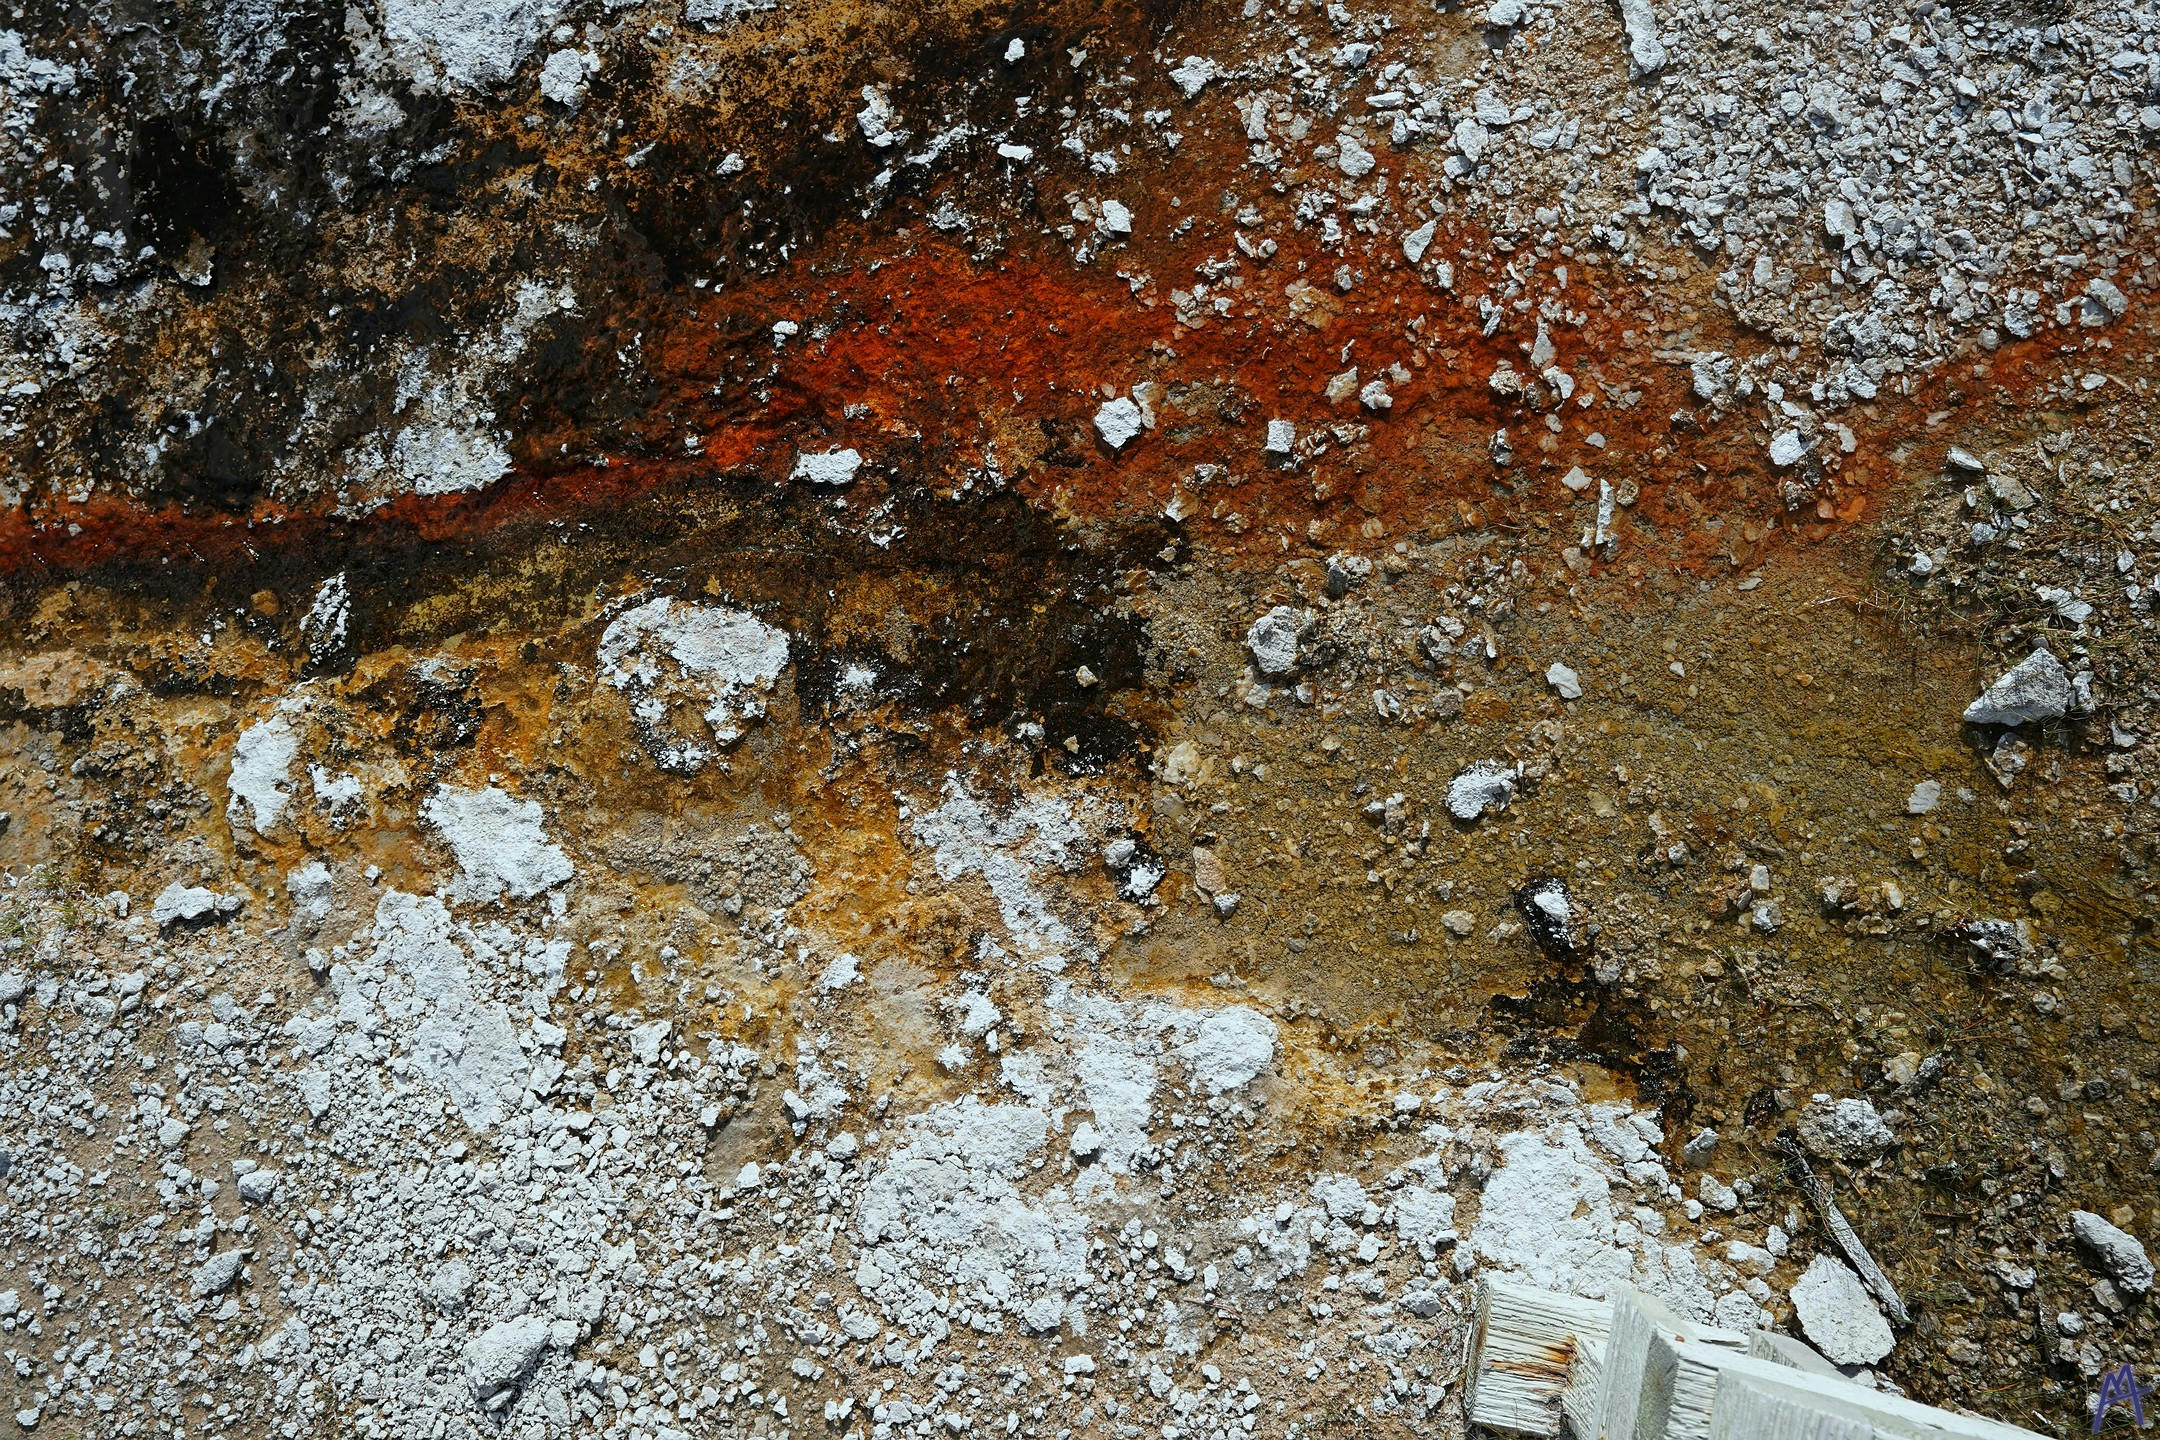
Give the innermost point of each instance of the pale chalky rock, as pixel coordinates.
(827, 467)
(216, 1275)
(1273, 639)
(257, 1186)
(2036, 688)
(1847, 1130)
(2115, 1251)
(179, 904)
(498, 842)
(500, 1357)
(1118, 422)
(1480, 788)
(1839, 1318)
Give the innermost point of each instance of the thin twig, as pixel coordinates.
(1841, 1230)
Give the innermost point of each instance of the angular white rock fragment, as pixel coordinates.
(1418, 241)
(1576, 479)
(216, 1275)
(562, 79)
(2104, 301)
(450, 1286)
(324, 623)
(1116, 220)
(2036, 688)
(1787, 448)
(1375, 396)
(1924, 798)
(447, 460)
(1015, 51)
(1281, 437)
(499, 843)
(1192, 74)
(257, 1186)
(727, 658)
(1471, 139)
(1848, 1130)
(259, 785)
(1564, 680)
(2117, 1252)
(1273, 639)
(1505, 14)
(500, 1357)
(646, 1040)
(1229, 1048)
(1022, 153)
(1646, 53)
(1118, 421)
(1840, 1319)
(1351, 156)
(827, 467)
(179, 904)
(310, 889)
(1480, 788)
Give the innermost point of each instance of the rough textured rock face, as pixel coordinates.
(744, 718)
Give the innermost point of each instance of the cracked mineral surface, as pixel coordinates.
(730, 718)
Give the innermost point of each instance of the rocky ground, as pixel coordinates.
(731, 719)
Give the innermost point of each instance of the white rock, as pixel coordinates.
(1415, 244)
(179, 904)
(1563, 680)
(1273, 639)
(1840, 1319)
(2117, 1252)
(216, 1275)
(1229, 1048)
(257, 1186)
(1118, 422)
(1847, 1130)
(500, 1357)
(310, 888)
(1646, 53)
(1351, 156)
(723, 658)
(1281, 437)
(1787, 449)
(1192, 74)
(562, 79)
(1924, 798)
(826, 467)
(2036, 688)
(450, 1286)
(1480, 788)
(498, 841)
(646, 1040)
(1116, 220)
(259, 785)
